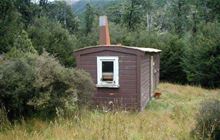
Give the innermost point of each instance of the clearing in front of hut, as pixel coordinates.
(170, 117)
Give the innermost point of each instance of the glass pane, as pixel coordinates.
(107, 71)
(107, 67)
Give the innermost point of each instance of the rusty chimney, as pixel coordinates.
(104, 37)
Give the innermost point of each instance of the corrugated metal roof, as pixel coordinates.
(151, 50)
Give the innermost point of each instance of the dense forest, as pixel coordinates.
(37, 40)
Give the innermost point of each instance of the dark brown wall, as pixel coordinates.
(127, 93)
(134, 75)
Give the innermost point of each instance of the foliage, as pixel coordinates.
(171, 59)
(27, 10)
(40, 84)
(62, 12)
(208, 121)
(49, 35)
(114, 12)
(16, 85)
(179, 12)
(10, 24)
(89, 18)
(59, 86)
(4, 122)
(202, 60)
(21, 46)
(170, 117)
(208, 10)
(133, 14)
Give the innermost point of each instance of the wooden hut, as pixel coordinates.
(124, 76)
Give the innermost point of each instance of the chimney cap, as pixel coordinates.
(103, 21)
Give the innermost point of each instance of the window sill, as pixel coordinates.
(107, 86)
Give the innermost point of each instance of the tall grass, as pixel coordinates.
(4, 122)
(170, 117)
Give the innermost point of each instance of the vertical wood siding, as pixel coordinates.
(145, 80)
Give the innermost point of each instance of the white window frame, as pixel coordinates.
(115, 82)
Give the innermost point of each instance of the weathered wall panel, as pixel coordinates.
(127, 93)
(145, 80)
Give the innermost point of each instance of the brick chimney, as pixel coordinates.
(104, 38)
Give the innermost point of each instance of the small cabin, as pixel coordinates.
(124, 76)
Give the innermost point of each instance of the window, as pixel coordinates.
(107, 71)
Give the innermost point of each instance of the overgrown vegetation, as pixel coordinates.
(38, 84)
(173, 116)
(208, 121)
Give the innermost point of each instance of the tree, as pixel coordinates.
(21, 46)
(179, 12)
(49, 35)
(202, 59)
(133, 14)
(62, 12)
(148, 6)
(43, 3)
(23, 43)
(171, 68)
(89, 18)
(10, 24)
(25, 7)
(114, 12)
(209, 10)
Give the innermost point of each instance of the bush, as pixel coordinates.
(208, 120)
(16, 78)
(59, 87)
(38, 83)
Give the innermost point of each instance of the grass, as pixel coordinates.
(170, 117)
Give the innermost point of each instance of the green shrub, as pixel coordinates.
(40, 84)
(58, 87)
(208, 120)
(16, 78)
